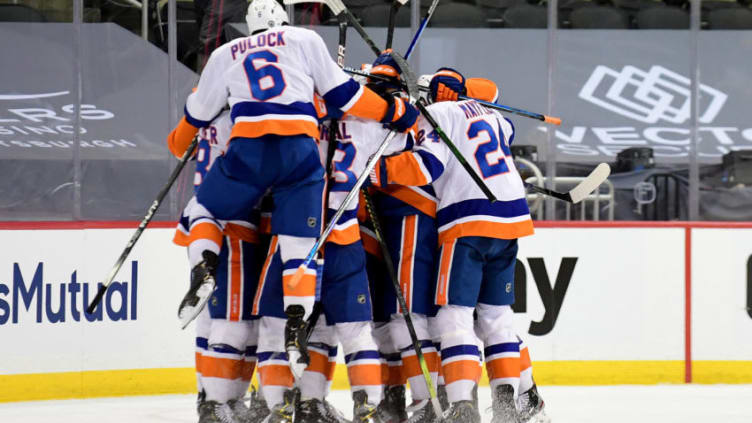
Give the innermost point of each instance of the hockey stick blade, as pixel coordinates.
(591, 183)
(582, 190)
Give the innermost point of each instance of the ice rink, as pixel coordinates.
(613, 404)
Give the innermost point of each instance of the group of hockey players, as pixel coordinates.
(284, 135)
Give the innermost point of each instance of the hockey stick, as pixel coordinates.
(142, 226)
(582, 190)
(340, 10)
(422, 26)
(500, 107)
(402, 303)
(396, 4)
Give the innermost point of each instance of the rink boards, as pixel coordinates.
(624, 303)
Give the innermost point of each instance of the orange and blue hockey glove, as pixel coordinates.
(446, 85)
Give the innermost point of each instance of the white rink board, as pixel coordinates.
(152, 340)
(721, 322)
(625, 300)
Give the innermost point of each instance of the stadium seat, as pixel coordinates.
(731, 18)
(378, 15)
(599, 17)
(20, 13)
(526, 16)
(662, 18)
(458, 15)
(494, 9)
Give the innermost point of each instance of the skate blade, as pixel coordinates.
(296, 367)
(189, 312)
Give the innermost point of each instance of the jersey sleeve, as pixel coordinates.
(421, 166)
(336, 87)
(210, 96)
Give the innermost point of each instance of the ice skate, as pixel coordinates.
(216, 412)
(503, 406)
(317, 411)
(462, 412)
(363, 411)
(531, 407)
(257, 410)
(422, 412)
(283, 412)
(392, 407)
(202, 287)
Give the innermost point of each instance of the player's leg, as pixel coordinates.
(392, 407)
(274, 374)
(458, 286)
(529, 402)
(412, 242)
(495, 327)
(203, 324)
(347, 304)
(223, 363)
(298, 198)
(316, 379)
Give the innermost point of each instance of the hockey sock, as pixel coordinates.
(275, 376)
(526, 368)
(502, 348)
(362, 359)
(460, 356)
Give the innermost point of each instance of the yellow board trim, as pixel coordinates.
(111, 383)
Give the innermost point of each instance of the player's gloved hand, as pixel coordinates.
(400, 115)
(446, 85)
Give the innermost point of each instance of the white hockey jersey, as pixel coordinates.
(213, 142)
(483, 137)
(269, 80)
(357, 140)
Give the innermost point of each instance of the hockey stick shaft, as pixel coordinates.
(422, 27)
(456, 152)
(500, 107)
(396, 4)
(401, 300)
(142, 226)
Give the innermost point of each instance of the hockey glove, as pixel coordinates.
(202, 287)
(400, 115)
(446, 85)
(296, 339)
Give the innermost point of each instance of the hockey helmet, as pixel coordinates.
(265, 14)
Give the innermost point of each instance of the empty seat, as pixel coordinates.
(662, 18)
(378, 15)
(731, 18)
(20, 13)
(599, 17)
(526, 16)
(458, 15)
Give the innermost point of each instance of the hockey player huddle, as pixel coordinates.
(264, 111)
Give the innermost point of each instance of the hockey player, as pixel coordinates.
(226, 332)
(478, 246)
(448, 85)
(269, 80)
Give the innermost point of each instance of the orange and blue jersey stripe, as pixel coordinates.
(254, 119)
(479, 217)
(346, 231)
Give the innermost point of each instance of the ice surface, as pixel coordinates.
(564, 404)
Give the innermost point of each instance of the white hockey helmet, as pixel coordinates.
(264, 14)
(423, 82)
